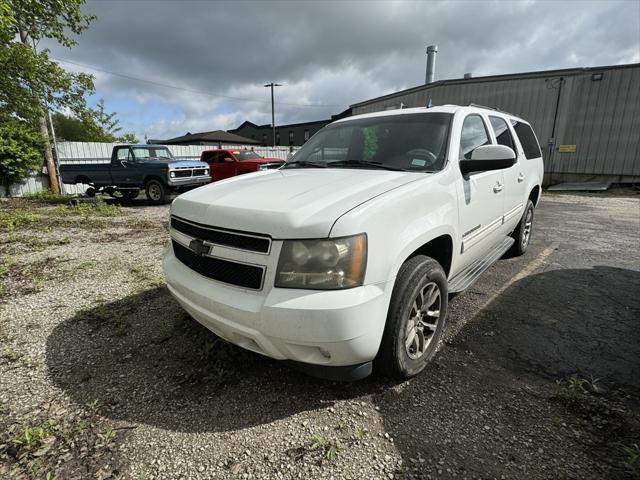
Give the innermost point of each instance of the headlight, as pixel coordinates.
(323, 264)
(206, 171)
(172, 174)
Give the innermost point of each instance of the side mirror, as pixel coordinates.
(488, 157)
(228, 160)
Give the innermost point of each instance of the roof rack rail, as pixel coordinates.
(490, 108)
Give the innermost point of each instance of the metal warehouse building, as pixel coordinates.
(587, 119)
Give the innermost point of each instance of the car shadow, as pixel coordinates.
(563, 322)
(143, 359)
(486, 404)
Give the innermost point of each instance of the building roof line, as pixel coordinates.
(505, 76)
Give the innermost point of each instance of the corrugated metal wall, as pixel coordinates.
(602, 118)
(93, 152)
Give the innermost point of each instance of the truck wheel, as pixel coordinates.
(130, 194)
(90, 192)
(522, 233)
(157, 192)
(415, 320)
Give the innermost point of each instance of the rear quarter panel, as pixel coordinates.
(97, 173)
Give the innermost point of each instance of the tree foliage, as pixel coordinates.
(32, 82)
(20, 150)
(96, 125)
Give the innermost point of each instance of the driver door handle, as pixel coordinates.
(498, 187)
(123, 163)
(521, 177)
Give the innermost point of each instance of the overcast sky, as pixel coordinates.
(327, 54)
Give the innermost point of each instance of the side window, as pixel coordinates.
(222, 155)
(474, 135)
(306, 135)
(503, 134)
(207, 156)
(290, 137)
(124, 154)
(527, 140)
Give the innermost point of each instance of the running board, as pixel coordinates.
(469, 275)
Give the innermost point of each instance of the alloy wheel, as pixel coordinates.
(424, 316)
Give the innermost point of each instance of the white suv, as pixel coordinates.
(345, 257)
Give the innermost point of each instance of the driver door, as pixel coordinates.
(123, 167)
(480, 196)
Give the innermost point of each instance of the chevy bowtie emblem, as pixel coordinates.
(198, 247)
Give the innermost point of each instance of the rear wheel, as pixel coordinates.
(90, 192)
(130, 194)
(157, 192)
(522, 233)
(416, 318)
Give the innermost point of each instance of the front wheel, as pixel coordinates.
(157, 192)
(416, 318)
(522, 233)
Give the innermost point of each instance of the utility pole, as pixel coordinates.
(273, 114)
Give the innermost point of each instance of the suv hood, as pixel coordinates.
(295, 203)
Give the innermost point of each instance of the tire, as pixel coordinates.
(404, 351)
(157, 192)
(90, 192)
(130, 194)
(522, 233)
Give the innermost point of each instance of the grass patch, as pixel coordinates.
(89, 209)
(11, 219)
(574, 389)
(631, 455)
(329, 449)
(47, 196)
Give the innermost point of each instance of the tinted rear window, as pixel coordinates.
(527, 140)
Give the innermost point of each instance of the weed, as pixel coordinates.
(573, 389)
(50, 476)
(11, 355)
(328, 448)
(93, 209)
(93, 406)
(31, 437)
(106, 438)
(46, 196)
(632, 459)
(360, 433)
(9, 220)
(5, 265)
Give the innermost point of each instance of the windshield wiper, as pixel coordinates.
(303, 164)
(365, 163)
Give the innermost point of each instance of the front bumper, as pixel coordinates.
(189, 181)
(339, 328)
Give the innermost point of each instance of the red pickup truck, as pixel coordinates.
(228, 163)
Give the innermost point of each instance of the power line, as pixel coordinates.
(199, 92)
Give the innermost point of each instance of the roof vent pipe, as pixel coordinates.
(432, 50)
(468, 76)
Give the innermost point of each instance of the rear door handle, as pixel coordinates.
(498, 187)
(521, 178)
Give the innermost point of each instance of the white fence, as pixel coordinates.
(93, 152)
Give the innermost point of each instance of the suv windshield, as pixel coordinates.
(246, 155)
(147, 153)
(410, 142)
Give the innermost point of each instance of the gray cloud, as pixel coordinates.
(329, 53)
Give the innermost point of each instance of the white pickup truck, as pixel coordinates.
(344, 258)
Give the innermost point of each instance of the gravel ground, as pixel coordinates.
(104, 376)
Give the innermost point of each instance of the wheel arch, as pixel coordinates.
(148, 178)
(439, 248)
(83, 179)
(534, 195)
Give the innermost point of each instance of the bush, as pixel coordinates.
(20, 151)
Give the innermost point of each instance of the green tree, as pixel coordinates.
(20, 150)
(31, 83)
(95, 125)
